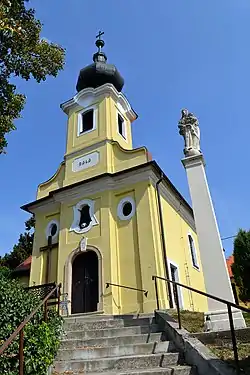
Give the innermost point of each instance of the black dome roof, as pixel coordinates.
(99, 73)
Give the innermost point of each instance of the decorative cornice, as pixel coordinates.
(193, 161)
(145, 172)
(84, 150)
(102, 91)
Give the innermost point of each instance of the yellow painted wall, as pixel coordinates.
(39, 258)
(115, 153)
(130, 250)
(176, 235)
(23, 280)
(129, 259)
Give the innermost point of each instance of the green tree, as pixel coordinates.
(41, 340)
(22, 54)
(23, 249)
(241, 266)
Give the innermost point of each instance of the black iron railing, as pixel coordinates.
(229, 310)
(42, 290)
(52, 292)
(145, 292)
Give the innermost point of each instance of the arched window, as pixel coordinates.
(193, 252)
(87, 120)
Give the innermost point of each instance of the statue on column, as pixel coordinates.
(189, 129)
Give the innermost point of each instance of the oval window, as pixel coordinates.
(53, 229)
(126, 208)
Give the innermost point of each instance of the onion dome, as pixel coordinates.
(99, 73)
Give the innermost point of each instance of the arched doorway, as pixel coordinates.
(85, 283)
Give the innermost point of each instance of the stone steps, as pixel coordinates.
(118, 363)
(111, 341)
(172, 370)
(109, 332)
(83, 324)
(116, 345)
(114, 351)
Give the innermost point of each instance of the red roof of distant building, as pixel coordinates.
(25, 265)
(230, 261)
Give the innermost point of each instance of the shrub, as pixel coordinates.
(41, 339)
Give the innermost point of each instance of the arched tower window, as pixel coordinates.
(87, 120)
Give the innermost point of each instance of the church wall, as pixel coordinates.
(178, 252)
(24, 280)
(113, 111)
(39, 258)
(157, 246)
(129, 259)
(97, 155)
(98, 237)
(75, 142)
(54, 183)
(127, 159)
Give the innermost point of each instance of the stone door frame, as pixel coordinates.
(68, 275)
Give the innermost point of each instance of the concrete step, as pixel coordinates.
(110, 332)
(117, 363)
(173, 370)
(89, 324)
(89, 353)
(111, 341)
(92, 317)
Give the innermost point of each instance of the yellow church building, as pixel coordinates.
(109, 213)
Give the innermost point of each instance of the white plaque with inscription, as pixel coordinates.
(85, 161)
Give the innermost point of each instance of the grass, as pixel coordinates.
(194, 323)
(226, 354)
(247, 318)
(190, 320)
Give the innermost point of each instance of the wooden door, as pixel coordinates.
(85, 283)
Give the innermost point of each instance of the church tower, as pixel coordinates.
(97, 218)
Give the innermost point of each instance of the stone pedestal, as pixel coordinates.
(213, 261)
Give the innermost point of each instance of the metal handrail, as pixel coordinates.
(229, 308)
(128, 287)
(20, 328)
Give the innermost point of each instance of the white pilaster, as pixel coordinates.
(213, 261)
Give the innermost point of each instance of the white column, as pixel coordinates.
(217, 281)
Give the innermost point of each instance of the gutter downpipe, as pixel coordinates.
(163, 241)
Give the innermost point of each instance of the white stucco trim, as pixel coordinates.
(119, 182)
(79, 120)
(48, 229)
(89, 95)
(180, 294)
(195, 266)
(121, 205)
(75, 225)
(67, 285)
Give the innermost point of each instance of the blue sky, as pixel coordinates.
(172, 54)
